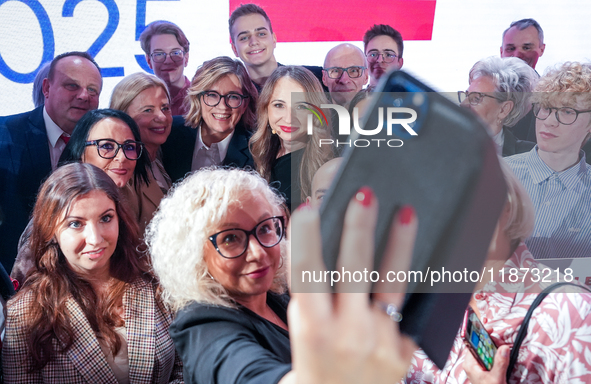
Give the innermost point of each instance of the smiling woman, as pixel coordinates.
(281, 142)
(89, 310)
(217, 246)
(126, 159)
(146, 99)
(218, 125)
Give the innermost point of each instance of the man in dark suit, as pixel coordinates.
(32, 142)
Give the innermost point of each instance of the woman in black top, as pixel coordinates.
(283, 151)
(216, 244)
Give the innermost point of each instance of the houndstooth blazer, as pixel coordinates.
(152, 356)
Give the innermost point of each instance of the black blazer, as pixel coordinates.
(513, 146)
(177, 152)
(24, 164)
(525, 128)
(226, 345)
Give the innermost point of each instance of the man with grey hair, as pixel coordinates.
(344, 73)
(524, 39)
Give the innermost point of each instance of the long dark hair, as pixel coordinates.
(77, 144)
(52, 282)
(265, 146)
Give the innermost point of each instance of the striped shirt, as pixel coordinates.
(562, 201)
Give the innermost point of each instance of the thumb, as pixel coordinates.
(501, 363)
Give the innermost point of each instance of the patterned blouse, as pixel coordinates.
(557, 348)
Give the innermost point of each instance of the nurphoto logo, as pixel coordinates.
(393, 116)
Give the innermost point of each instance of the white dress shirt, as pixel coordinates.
(54, 138)
(204, 156)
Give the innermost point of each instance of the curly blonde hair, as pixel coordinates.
(178, 233)
(572, 79)
(265, 146)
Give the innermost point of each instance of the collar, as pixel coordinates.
(53, 131)
(182, 92)
(499, 140)
(221, 147)
(571, 178)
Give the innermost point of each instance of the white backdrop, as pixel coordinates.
(464, 31)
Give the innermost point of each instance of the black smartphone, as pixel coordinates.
(414, 146)
(478, 340)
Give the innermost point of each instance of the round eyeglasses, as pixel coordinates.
(176, 55)
(564, 115)
(474, 98)
(232, 243)
(336, 72)
(108, 148)
(213, 98)
(387, 57)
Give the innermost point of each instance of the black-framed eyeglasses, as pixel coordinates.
(474, 98)
(213, 98)
(109, 148)
(336, 72)
(176, 55)
(564, 115)
(232, 243)
(387, 57)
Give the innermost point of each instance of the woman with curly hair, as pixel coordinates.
(283, 151)
(218, 247)
(90, 311)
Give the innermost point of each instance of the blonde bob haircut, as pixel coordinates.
(178, 233)
(131, 86)
(264, 145)
(520, 223)
(207, 76)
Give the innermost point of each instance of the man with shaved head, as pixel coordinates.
(344, 73)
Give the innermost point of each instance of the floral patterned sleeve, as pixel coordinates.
(557, 348)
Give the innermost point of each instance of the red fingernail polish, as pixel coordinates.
(407, 212)
(364, 196)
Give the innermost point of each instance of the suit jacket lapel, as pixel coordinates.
(238, 153)
(509, 143)
(139, 305)
(152, 192)
(86, 354)
(37, 144)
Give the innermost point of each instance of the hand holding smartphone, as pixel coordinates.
(478, 340)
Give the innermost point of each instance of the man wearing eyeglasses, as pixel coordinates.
(31, 143)
(554, 173)
(344, 73)
(383, 49)
(167, 53)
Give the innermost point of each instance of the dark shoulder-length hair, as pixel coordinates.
(77, 144)
(51, 283)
